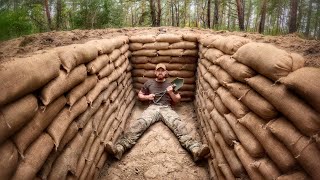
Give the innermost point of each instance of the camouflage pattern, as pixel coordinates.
(151, 115)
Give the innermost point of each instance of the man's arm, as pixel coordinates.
(175, 97)
(143, 97)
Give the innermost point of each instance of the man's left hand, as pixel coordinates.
(169, 89)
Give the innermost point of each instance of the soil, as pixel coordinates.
(158, 153)
(26, 45)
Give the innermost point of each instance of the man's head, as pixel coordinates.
(160, 71)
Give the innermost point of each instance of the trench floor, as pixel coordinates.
(158, 153)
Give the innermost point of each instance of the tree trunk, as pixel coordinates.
(293, 16)
(172, 14)
(209, 13)
(216, 13)
(153, 13)
(240, 14)
(59, 16)
(263, 16)
(159, 14)
(185, 13)
(248, 15)
(46, 6)
(309, 19)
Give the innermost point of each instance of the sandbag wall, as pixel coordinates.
(259, 110)
(179, 52)
(58, 108)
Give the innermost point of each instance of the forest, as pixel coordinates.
(270, 17)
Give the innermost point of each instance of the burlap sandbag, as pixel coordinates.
(173, 59)
(182, 74)
(35, 156)
(145, 52)
(303, 149)
(124, 48)
(190, 52)
(230, 44)
(146, 66)
(61, 123)
(73, 55)
(208, 40)
(206, 63)
(94, 66)
(212, 172)
(268, 60)
(209, 104)
(305, 82)
(213, 54)
(143, 73)
(106, 115)
(169, 66)
(97, 117)
(85, 171)
(193, 37)
(214, 83)
(156, 45)
(218, 104)
(46, 167)
(69, 135)
(202, 69)
(225, 129)
(114, 55)
(222, 76)
(252, 100)
(16, 114)
(148, 38)
(120, 61)
(100, 86)
(102, 160)
(170, 38)
(106, 70)
(246, 160)
(82, 89)
(234, 105)
(22, 76)
(186, 93)
(267, 168)
(109, 120)
(135, 46)
(183, 45)
(9, 159)
(232, 159)
(237, 70)
(171, 52)
(274, 148)
(297, 175)
(94, 149)
(63, 83)
(246, 138)
(31, 131)
(67, 161)
(297, 111)
(86, 149)
(80, 165)
(139, 59)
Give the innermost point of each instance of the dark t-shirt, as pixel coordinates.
(153, 87)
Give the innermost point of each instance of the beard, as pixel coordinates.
(160, 77)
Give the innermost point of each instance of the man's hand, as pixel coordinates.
(151, 97)
(169, 89)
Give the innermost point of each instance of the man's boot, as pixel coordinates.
(201, 152)
(115, 150)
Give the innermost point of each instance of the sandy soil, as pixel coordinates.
(25, 45)
(158, 154)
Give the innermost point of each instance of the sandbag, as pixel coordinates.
(213, 54)
(237, 70)
(298, 112)
(252, 100)
(222, 76)
(31, 131)
(94, 66)
(135, 46)
(35, 156)
(124, 48)
(214, 83)
(268, 60)
(119, 61)
(46, 167)
(267, 168)
(170, 38)
(209, 105)
(69, 135)
(232, 159)
(246, 160)
(218, 104)
(156, 45)
(223, 126)
(246, 138)
(83, 88)
(171, 52)
(173, 59)
(16, 114)
(183, 45)
(190, 52)
(9, 159)
(145, 52)
(182, 74)
(206, 63)
(73, 55)
(193, 37)
(230, 44)
(207, 41)
(63, 83)
(97, 117)
(297, 175)
(106, 70)
(212, 172)
(139, 59)
(61, 123)
(274, 148)
(305, 82)
(19, 77)
(234, 105)
(114, 55)
(304, 150)
(148, 38)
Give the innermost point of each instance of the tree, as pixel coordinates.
(309, 19)
(46, 5)
(240, 8)
(293, 16)
(209, 13)
(153, 13)
(59, 15)
(263, 16)
(216, 13)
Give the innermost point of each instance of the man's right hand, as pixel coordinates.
(151, 97)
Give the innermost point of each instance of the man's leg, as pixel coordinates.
(136, 129)
(178, 127)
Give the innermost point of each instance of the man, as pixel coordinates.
(159, 110)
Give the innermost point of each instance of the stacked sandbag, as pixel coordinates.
(178, 52)
(54, 122)
(261, 103)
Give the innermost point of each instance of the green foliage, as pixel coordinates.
(14, 24)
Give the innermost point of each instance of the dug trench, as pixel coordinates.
(254, 104)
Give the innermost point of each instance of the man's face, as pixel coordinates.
(160, 73)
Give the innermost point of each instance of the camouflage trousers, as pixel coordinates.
(155, 113)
